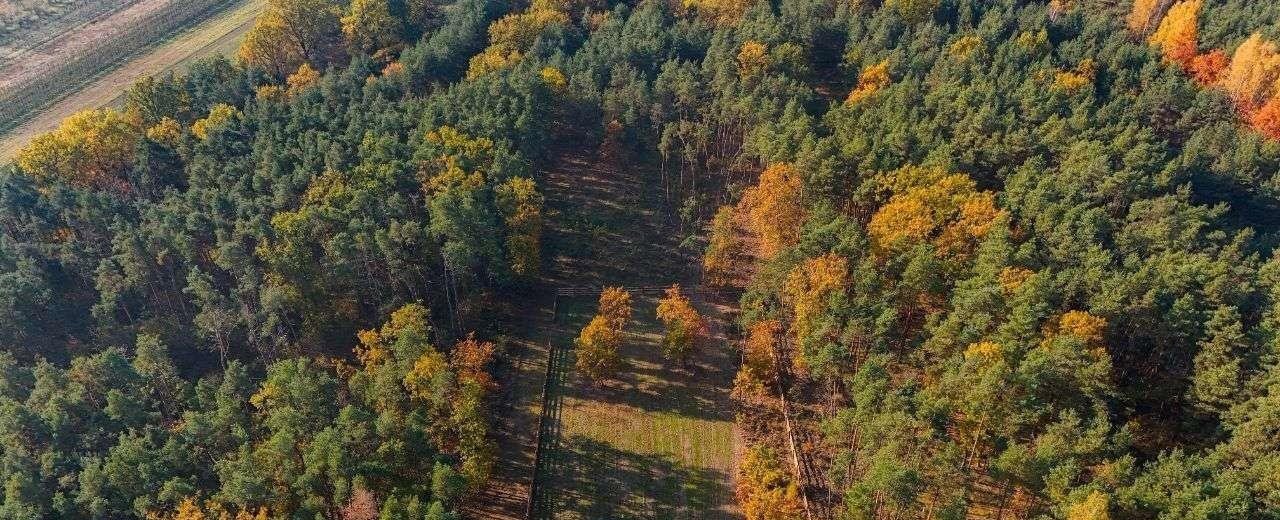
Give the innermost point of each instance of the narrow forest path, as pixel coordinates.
(656, 442)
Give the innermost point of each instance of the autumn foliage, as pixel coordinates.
(597, 349)
(521, 205)
(808, 289)
(686, 329)
(765, 489)
(1251, 78)
(873, 79)
(758, 370)
(931, 205)
(615, 306)
(1207, 68)
(91, 148)
(1177, 34)
(724, 250)
(773, 208)
(1145, 15)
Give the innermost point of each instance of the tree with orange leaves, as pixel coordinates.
(686, 328)
(615, 306)
(758, 369)
(471, 360)
(1207, 68)
(1266, 120)
(723, 250)
(1177, 35)
(1251, 77)
(773, 208)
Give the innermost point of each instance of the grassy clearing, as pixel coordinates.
(658, 442)
(217, 35)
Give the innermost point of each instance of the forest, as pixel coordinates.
(1000, 259)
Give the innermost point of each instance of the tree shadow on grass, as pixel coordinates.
(698, 389)
(598, 481)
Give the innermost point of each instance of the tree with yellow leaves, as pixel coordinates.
(765, 489)
(521, 206)
(369, 26)
(597, 350)
(615, 306)
(724, 251)
(191, 509)
(290, 33)
(724, 13)
(1095, 506)
(1177, 35)
(302, 79)
(872, 79)
(686, 329)
(1251, 77)
(1145, 16)
(773, 208)
(219, 116)
(512, 35)
(92, 148)
(753, 58)
(758, 371)
(931, 205)
(808, 288)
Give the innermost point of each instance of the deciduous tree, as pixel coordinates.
(369, 26)
(686, 328)
(597, 350)
(615, 307)
(773, 208)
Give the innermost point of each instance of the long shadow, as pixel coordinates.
(606, 227)
(604, 482)
(649, 381)
(552, 457)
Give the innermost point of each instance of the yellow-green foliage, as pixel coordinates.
(90, 148)
(512, 35)
(219, 116)
(521, 207)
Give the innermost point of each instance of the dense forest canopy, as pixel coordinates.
(1021, 251)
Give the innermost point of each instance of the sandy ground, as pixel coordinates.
(218, 35)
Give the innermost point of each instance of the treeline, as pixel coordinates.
(1017, 258)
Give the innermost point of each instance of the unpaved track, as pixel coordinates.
(215, 36)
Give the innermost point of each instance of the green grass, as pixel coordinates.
(656, 442)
